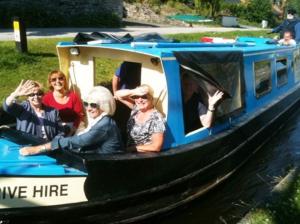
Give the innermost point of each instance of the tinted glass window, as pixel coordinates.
(296, 63)
(282, 75)
(262, 71)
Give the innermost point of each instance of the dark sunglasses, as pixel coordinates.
(92, 105)
(145, 97)
(61, 78)
(35, 94)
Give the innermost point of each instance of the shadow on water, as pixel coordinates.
(230, 201)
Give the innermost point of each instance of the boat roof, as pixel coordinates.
(160, 49)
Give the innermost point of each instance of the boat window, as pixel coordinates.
(104, 70)
(282, 75)
(296, 64)
(192, 96)
(210, 72)
(262, 71)
(129, 76)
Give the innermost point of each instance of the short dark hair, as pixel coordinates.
(291, 11)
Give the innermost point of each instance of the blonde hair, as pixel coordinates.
(60, 73)
(103, 97)
(150, 91)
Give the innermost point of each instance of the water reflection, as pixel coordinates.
(229, 202)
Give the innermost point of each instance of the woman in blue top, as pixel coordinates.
(32, 116)
(101, 135)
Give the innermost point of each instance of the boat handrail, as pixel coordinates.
(184, 45)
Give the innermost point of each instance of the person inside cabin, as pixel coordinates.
(287, 39)
(146, 125)
(127, 76)
(196, 114)
(101, 136)
(33, 117)
(288, 24)
(67, 102)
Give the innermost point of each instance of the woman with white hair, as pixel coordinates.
(145, 126)
(102, 134)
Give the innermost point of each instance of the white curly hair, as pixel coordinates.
(103, 97)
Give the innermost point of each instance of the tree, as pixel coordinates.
(213, 5)
(258, 10)
(294, 4)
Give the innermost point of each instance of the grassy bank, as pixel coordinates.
(283, 207)
(42, 58)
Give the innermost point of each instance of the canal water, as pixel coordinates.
(231, 200)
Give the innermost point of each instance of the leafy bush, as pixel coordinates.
(179, 7)
(258, 10)
(233, 9)
(294, 4)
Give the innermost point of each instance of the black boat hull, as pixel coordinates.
(141, 186)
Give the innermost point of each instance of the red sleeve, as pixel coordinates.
(47, 99)
(78, 108)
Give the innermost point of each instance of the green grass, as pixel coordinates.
(248, 23)
(282, 208)
(42, 58)
(36, 65)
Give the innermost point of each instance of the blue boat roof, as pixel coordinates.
(160, 49)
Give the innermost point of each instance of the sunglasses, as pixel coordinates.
(92, 105)
(61, 78)
(35, 94)
(145, 97)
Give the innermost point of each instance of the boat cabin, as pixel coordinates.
(243, 70)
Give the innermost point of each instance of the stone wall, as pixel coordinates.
(60, 9)
(138, 12)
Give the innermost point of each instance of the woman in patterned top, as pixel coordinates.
(146, 125)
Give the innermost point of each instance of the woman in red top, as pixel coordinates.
(66, 102)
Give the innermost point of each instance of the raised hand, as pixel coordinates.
(141, 90)
(24, 88)
(212, 100)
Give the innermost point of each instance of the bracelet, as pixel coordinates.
(43, 149)
(13, 98)
(209, 108)
(13, 95)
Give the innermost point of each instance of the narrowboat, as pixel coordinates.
(261, 83)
